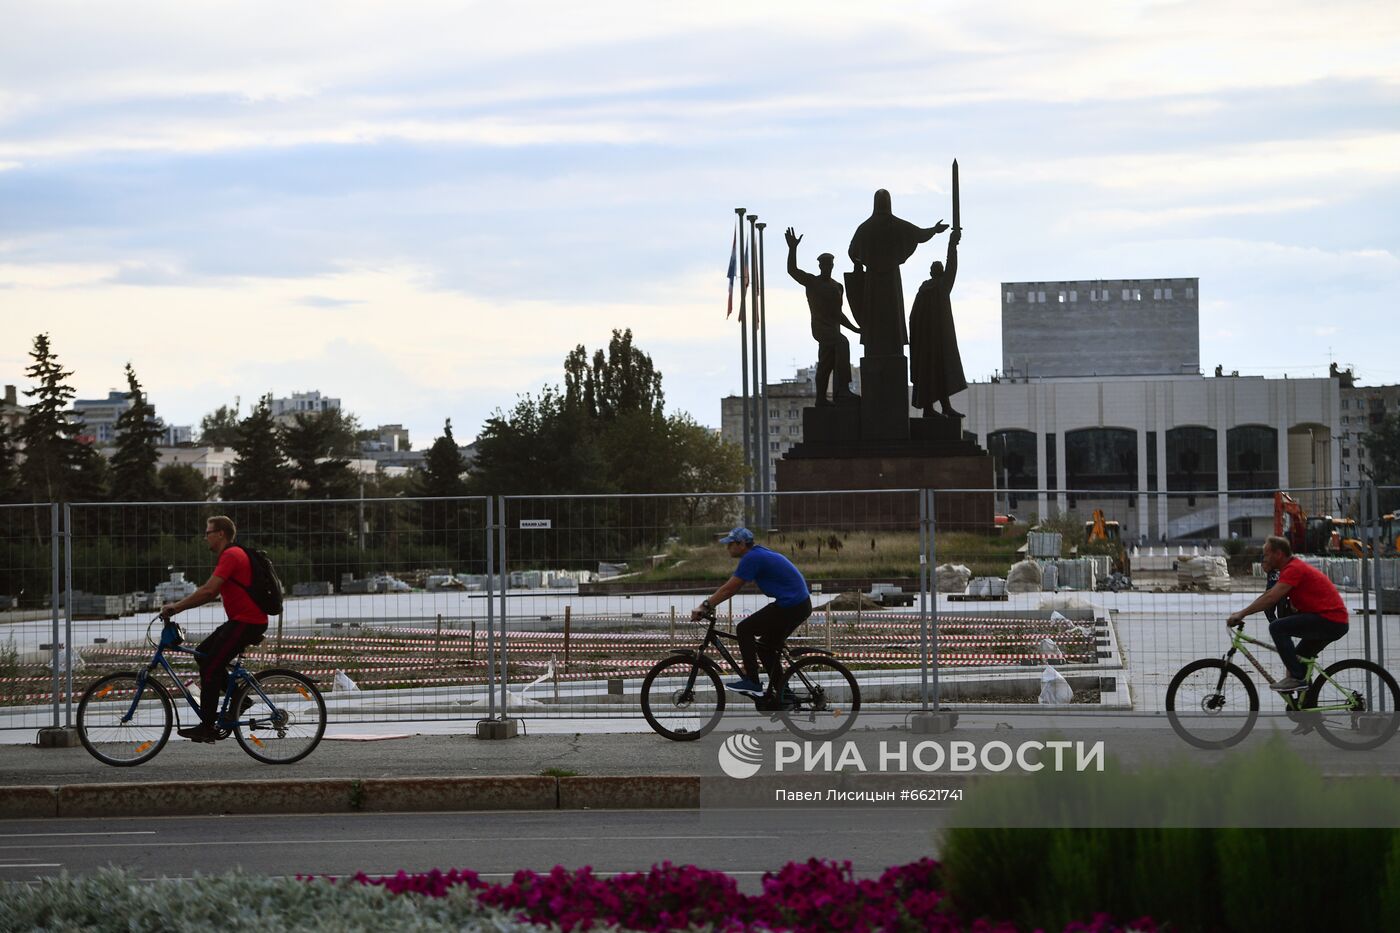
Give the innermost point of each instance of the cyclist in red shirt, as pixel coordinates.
(246, 625)
(1319, 615)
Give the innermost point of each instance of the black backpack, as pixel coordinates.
(266, 588)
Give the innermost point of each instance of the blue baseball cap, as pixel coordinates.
(740, 535)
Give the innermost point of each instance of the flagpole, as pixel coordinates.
(744, 365)
(760, 432)
(763, 371)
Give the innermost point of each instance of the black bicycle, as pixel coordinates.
(124, 719)
(683, 697)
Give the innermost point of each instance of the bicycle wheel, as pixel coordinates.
(285, 726)
(825, 698)
(678, 713)
(1357, 703)
(124, 721)
(1212, 703)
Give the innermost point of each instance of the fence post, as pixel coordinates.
(60, 561)
(493, 727)
(437, 641)
(929, 720)
(673, 626)
(68, 615)
(490, 610)
(56, 559)
(568, 620)
(923, 599)
(1366, 517)
(828, 626)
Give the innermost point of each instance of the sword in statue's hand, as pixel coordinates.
(957, 211)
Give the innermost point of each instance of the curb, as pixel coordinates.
(344, 795)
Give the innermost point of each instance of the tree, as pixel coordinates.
(443, 468)
(313, 444)
(56, 467)
(260, 470)
(11, 489)
(1382, 443)
(219, 428)
(621, 382)
(543, 446)
(180, 482)
(135, 460)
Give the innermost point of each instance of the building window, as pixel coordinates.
(1346, 403)
(1251, 453)
(775, 429)
(792, 412)
(1062, 296)
(1168, 294)
(794, 429)
(1013, 458)
(1073, 295)
(1190, 292)
(1156, 294)
(1010, 297)
(1101, 459)
(774, 413)
(1040, 297)
(1346, 419)
(774, 445)
(1127, 294)
(1346, 451)
(1191, 459)
(1137, 294)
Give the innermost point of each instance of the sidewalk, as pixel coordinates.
(384, 767)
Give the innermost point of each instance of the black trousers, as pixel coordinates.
(218, 650)
(762, 635)
(1313, 633)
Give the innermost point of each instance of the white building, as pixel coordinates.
(212, 462)
(285, 410)
(1165, 430)
(97, 417)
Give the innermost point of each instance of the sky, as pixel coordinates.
(420, 208)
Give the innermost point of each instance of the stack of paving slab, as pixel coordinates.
(1208, 573)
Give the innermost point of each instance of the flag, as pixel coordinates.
(732, 259)
(743, 272)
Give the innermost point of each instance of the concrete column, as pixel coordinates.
(1222, 472)
(1042, 471)
(1143, 523)
(1162, 499)
(1282, 428)
(1061, 499)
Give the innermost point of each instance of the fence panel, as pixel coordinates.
(388, 600)
(31, 659)
(1118, 589)
(601, 588)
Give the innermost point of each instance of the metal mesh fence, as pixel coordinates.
(31, 671)
(393, 609)
(1117, 590)
(601, 588)
(388, 601)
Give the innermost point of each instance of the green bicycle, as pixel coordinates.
(1353, 704)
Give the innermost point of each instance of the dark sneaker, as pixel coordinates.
(745, 686)
(768, 704)
(200, 733)
(1287, 685)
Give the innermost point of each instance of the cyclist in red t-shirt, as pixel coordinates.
(246, 625)
(1319, 617)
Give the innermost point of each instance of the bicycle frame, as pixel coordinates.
(1239, 641)
(237, 673)
(714, 637)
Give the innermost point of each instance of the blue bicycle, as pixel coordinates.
(125, 719)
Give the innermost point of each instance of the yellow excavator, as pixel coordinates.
(1352, 544)
(1109, 531)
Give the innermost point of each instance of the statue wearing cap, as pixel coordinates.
(824, 300)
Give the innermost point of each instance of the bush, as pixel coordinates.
(1149, 843)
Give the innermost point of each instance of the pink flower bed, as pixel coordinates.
(812, 896)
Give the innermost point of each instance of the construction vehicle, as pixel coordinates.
(1108, 532)
(1351, 541)
(1315, 535)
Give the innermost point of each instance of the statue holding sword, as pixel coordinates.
(935, 365)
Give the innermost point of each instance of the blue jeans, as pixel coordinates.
(1313, 633)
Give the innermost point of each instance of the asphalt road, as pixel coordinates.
(743, 843)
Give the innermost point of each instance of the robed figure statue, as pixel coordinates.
(935, 366)
(881, 243)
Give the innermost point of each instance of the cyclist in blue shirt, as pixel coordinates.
(762, 634)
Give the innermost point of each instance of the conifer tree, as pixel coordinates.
(56, 466)
(135, 461)
(260, 471)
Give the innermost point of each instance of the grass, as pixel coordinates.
(859, 555)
